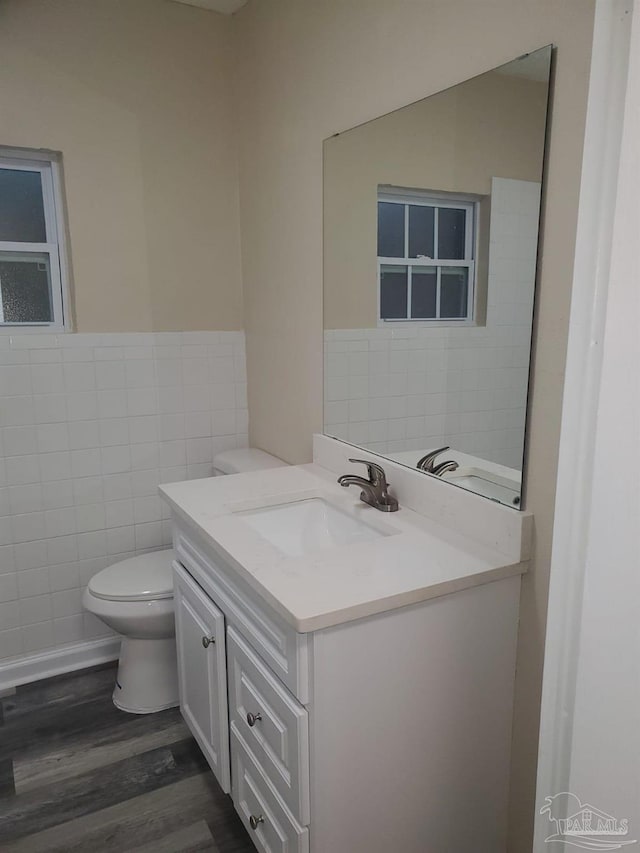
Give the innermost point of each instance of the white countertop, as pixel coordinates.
(417, 560)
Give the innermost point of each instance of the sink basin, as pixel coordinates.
(487, 484)
(305, 527)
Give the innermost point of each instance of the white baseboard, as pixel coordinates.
(57, 661)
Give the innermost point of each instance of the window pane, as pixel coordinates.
(21, 207)
(421, 231)
(423, 293)
(451, 234)
(393, 293)
(25, 288)
(454, 290)
(390, 230)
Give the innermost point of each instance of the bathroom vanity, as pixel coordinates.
(349, 674)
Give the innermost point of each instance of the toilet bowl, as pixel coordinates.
(135, 598)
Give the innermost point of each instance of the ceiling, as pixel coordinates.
(227, 7)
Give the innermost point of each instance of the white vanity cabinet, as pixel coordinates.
(388, 732)
(252, 729)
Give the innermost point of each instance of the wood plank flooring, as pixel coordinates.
(79, 776)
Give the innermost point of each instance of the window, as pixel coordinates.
(31, 268)
(426, 267)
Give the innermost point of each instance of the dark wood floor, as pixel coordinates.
(77, 774)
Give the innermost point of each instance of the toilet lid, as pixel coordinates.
(141, 578)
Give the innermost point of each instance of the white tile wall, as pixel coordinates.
(89, 426)
(406, 387)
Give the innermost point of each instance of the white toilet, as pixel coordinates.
(135, 598)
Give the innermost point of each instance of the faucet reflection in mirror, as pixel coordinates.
(427, 463)
(431, 232)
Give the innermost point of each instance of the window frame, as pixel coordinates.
(48, 165)
(428, 198)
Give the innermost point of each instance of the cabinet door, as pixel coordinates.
(202, 673)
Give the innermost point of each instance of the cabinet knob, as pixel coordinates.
(206, 641)
(252, 719)
(254, 821)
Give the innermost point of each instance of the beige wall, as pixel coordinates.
(307, 69)
(455, 141)
(136, 96)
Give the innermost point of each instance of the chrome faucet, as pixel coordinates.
(443, 467)
(375, 489)
(427, 463)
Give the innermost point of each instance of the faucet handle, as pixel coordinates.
(376, 472)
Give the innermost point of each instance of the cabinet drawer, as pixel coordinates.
(276, 829)
(284, 650)
(274, 726)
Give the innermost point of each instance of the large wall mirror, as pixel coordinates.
(430, 240)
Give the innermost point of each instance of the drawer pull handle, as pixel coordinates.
(206, 641)
(252, 719)
(254, 821)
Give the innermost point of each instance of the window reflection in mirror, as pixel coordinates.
(426, 248)
(431, 230)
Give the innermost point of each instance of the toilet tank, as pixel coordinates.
(244, 459)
